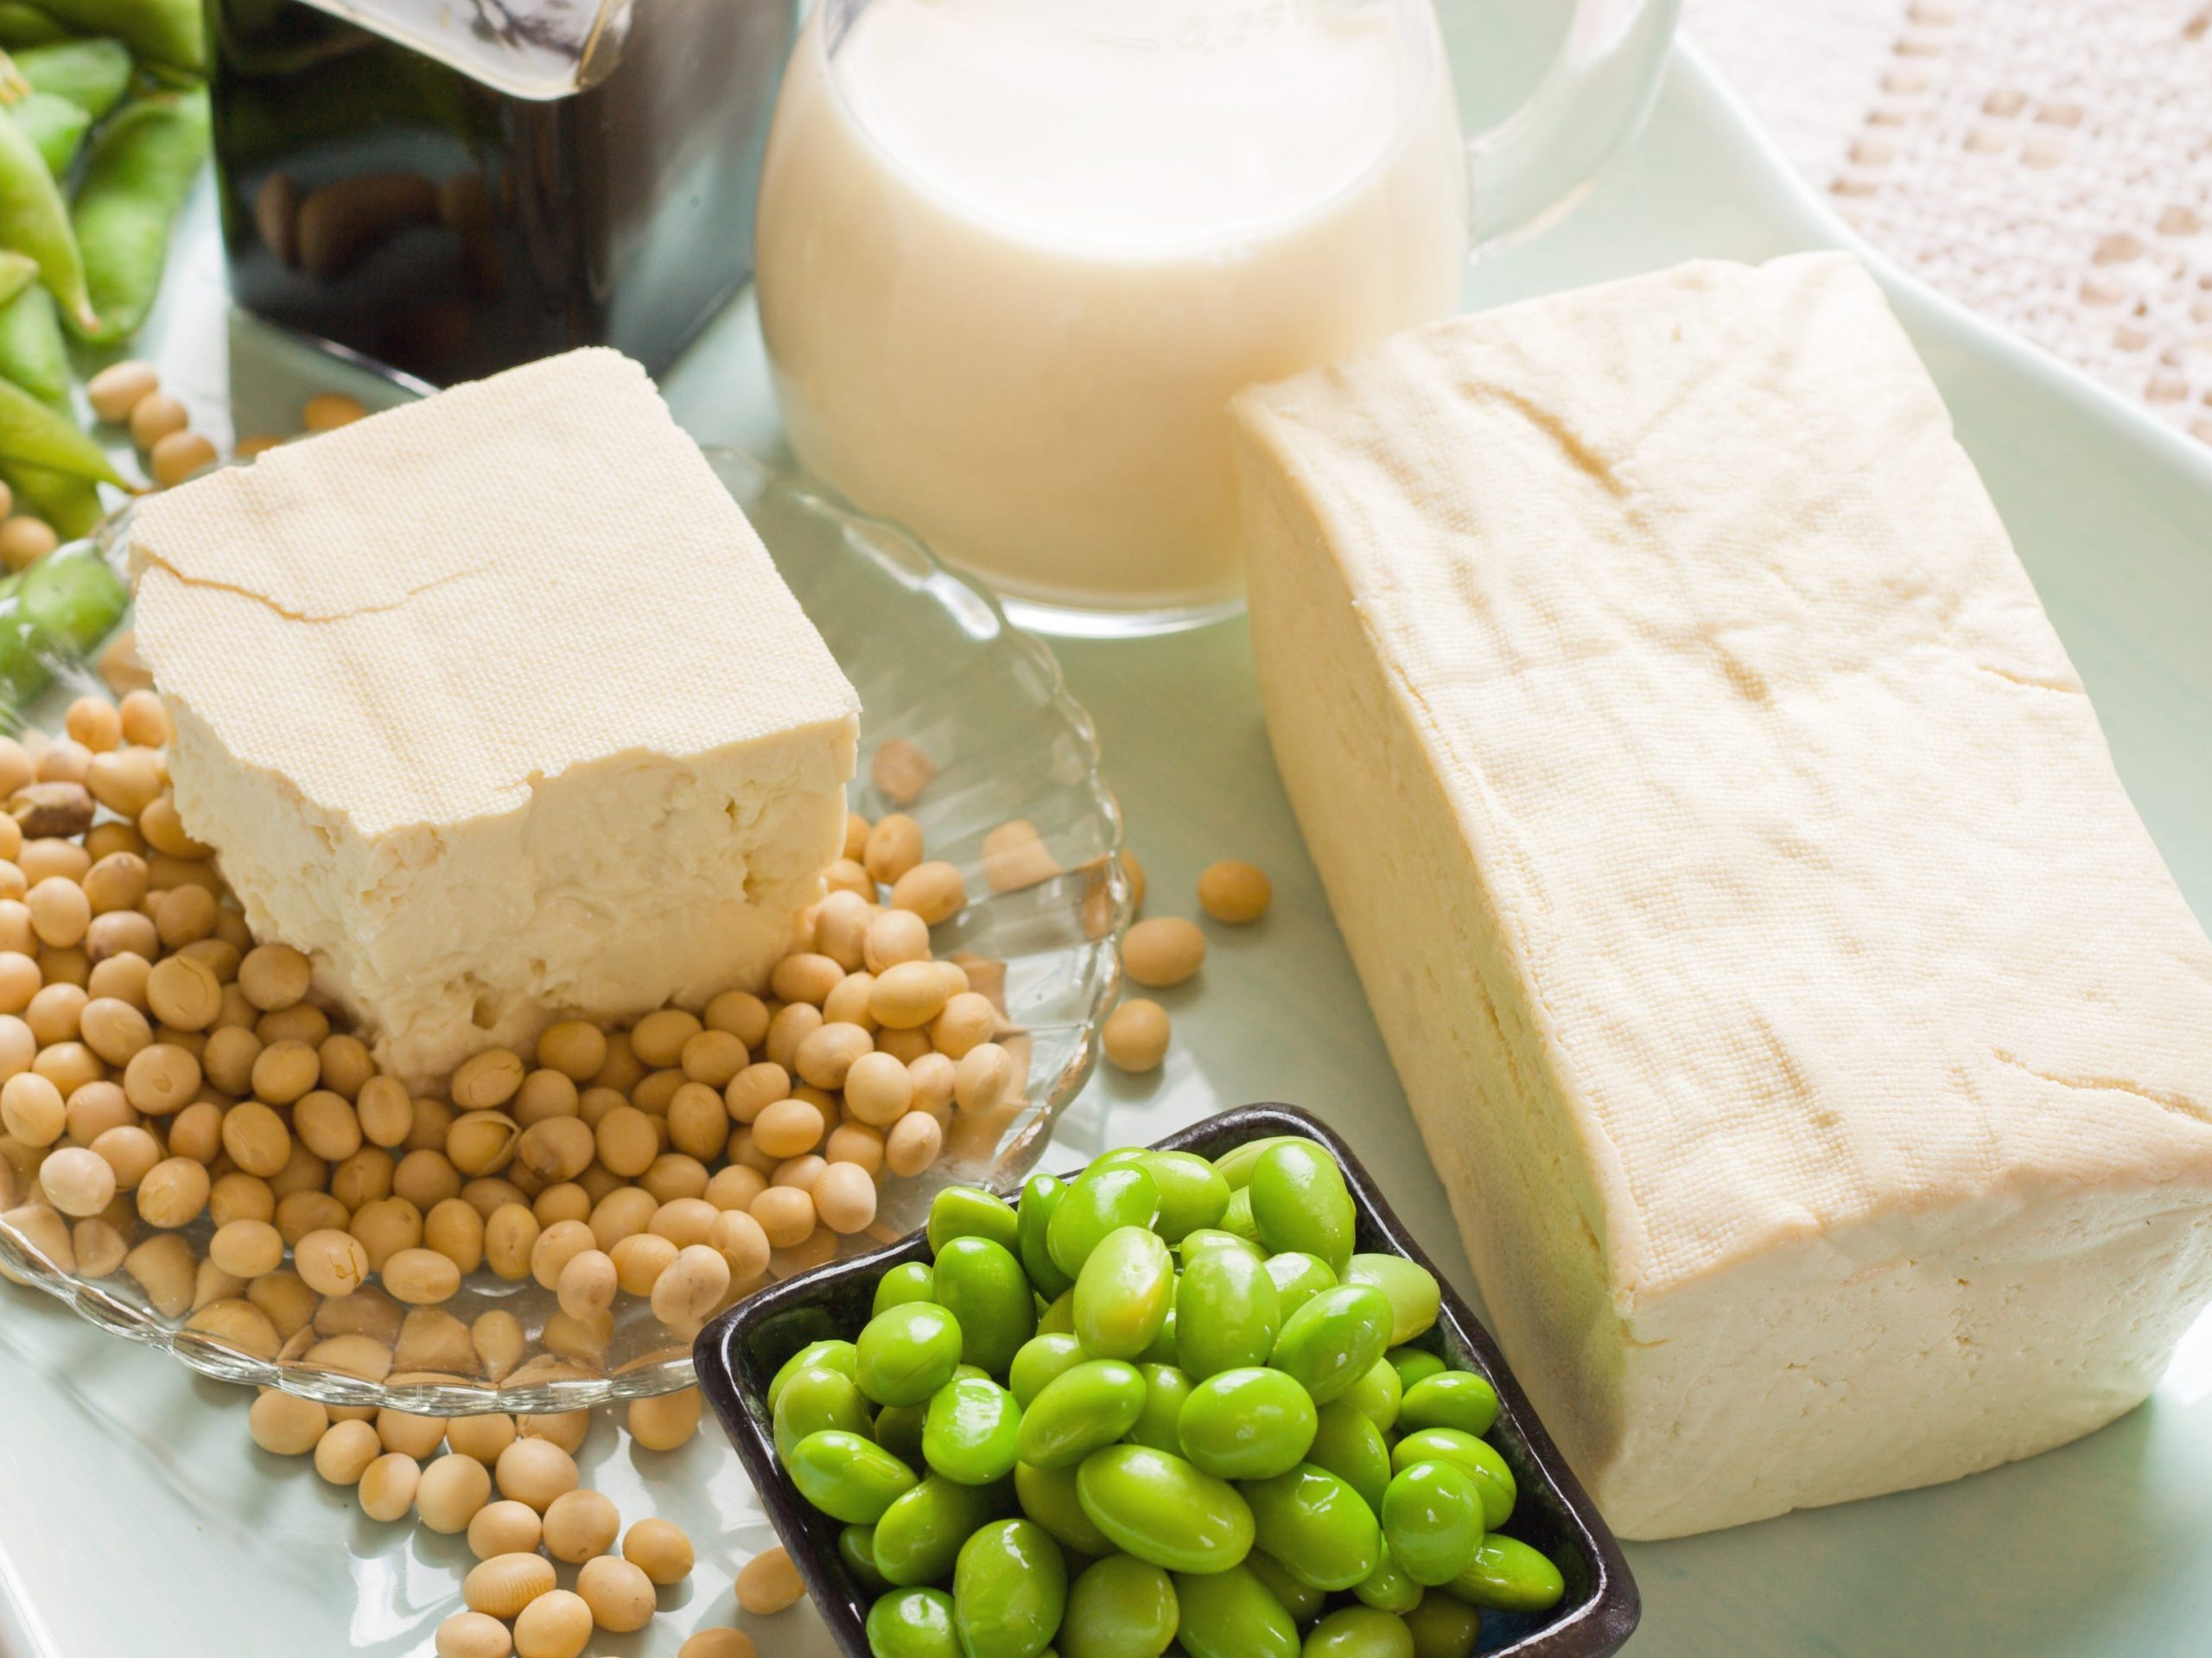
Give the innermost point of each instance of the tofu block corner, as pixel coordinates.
(495, 705)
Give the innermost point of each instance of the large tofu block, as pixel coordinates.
(494, 705)
(1816, 1050)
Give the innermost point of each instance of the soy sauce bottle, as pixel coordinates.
(453, 186)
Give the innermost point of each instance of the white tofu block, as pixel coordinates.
(494, 705)
(1814, 1047)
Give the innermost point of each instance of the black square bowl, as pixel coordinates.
(741, 1351)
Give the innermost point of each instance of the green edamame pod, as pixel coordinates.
(142, 167)
(55, 127)
(1511, 1576)
(70, 504)
(17, 273)
(93, 74)
(169, 32)
(1231, 1615)
(33, 435)
(22, 25)
(33, 353)
(35, 220)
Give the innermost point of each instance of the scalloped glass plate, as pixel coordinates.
(950, 689)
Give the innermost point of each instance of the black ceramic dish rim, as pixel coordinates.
(1596, 1625)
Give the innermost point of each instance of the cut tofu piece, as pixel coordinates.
(494, 705)
(1816, 1051)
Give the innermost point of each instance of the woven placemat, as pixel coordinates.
(2047, 162)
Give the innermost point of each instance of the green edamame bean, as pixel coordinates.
(168, 31)
(1412, 1291)
(912, 1623)
(1443, 1628)
(1048, 1496)
(34, 221)
(815, 1399)
(1191, 1193)
(1332, 1341)
(912, 1280)
(1162, 1508)
(1299, 1278)
(1359, 1632)
(1247, 1423)
(1227, 1313)
(907, 1352)
(836, 1355)
(898, 1430)
(1301, 1600)
(23, 25)
(92, 74)
(1230, 1615)
(1235, 1167)
(1009, 1591)
(1237, 1220)
(1123, 1293)
(1206, 1238)
(1300, 1202)
(1040, 1196)
(1478, 1457)
(1415, 1365)
(1121, 1156)
(981, 1284)
(1454, 1399)
(921, 1534)
(970, 1431)
(1315, 1527)
(55, 127)
(848, 1478)
(141, 167)
(1038, 1362)
(1092, 1404)
(1378, 1394)
(1101, 1200)
(971, 1212)
(1509, 1575)
(1120, 1608)
(1387, 1588)
(1058, 1317)
(1432, 1521)
(856, 1551)
(1347, 1443)
(1163, 1349)
(1166, 1391)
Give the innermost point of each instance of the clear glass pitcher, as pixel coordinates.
(1014, 256)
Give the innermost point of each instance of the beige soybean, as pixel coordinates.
(1233, 892)
(660, 1549)
(769, 1583)
(934, 892)
(575, 1047)
(344, 1454)
(453, 1492)
(844, 1199)
(173, 1193)
(565, 1428)
(829, 1052)
(639, 1259)
(618, 1592)
(893, 846)
(285, 1425)
(503, 1585)
(483, 1436)
(968, 1021)
(666, 1421)
(587, 1283)
(472, 1635)
(691, 1289)
(247, 1248)
(982, 1076)
(1135, 1035)
(78, 1181)
(786, 1214)
(557, 1624)
(580, 1525)
(505, 1527)
(419, 1277)
(418, 1437)
(332, 1262)
(535, 1471)
(388, 1486)
(914, 1143)
(274, 976)
(1164, 951)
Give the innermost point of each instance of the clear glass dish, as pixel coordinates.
(948, 686)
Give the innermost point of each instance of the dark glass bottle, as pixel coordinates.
(452, 186)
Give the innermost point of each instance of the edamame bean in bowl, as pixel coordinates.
(1204, 1397)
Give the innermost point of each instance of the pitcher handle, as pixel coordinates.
(1528, 169)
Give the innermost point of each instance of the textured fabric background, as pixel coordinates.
(2047, 162)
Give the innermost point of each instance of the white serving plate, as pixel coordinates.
(133, 1512)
